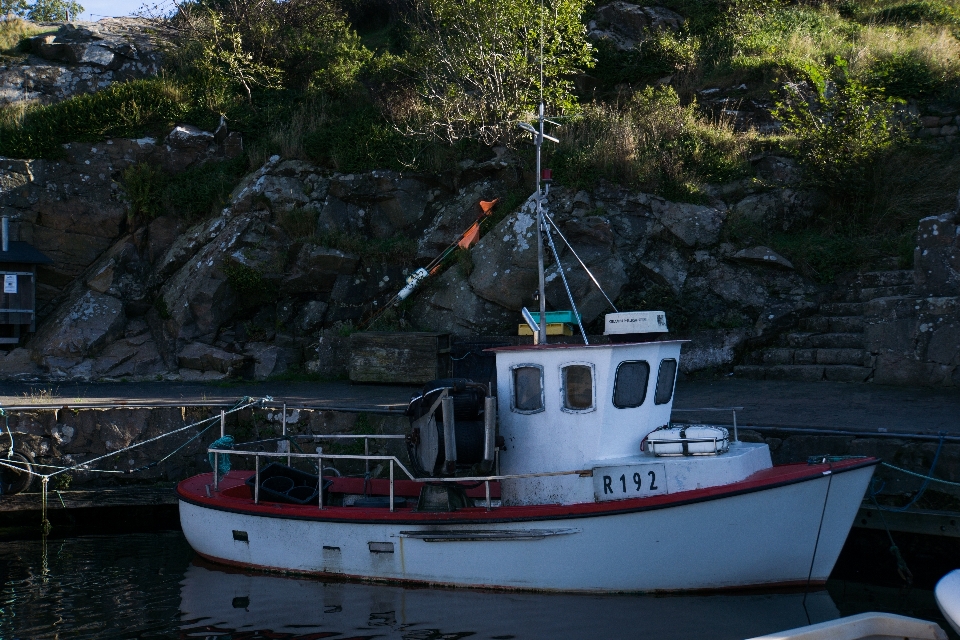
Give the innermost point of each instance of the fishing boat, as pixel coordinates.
(565, 474)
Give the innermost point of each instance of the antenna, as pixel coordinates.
(540, 329)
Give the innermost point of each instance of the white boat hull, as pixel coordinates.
(785, 534)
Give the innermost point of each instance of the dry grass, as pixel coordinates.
(653, 142)
(285, 138)
(934, 45)
(14, 30)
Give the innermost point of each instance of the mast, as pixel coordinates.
(542, 295)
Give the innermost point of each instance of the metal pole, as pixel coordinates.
(223, 423)
(486, 485)
(256, 480)
(285, 432)
(736, 438)
(391, 485)
(542, 338)
(320, 478)
(216, 471)
(366, 452)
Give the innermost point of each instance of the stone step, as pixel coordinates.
(897, 278)
(872, 293)
(832, 324)
(847, 373)
(847, 324)
(841, 309)
(805, 372)
(777, 356)
(804, 340)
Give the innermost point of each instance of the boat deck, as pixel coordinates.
(235, 496)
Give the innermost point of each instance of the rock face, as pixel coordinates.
(74, 209)
(624, 25)
(300, 256)
(83, 57)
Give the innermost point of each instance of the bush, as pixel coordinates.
(652, 142)
(191, 194)
(128, 109)
(477, 64)
(297, 44)
(840, 135)
(904, 75)
(664, 54)
(916, 13)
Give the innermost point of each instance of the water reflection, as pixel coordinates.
(230, 604)
(151, 586)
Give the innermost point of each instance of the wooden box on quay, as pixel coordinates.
(399, 358)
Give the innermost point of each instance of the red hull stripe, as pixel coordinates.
(193, 491)
(786, 585)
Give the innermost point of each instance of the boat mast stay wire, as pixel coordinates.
(582, 263)
(556, 257)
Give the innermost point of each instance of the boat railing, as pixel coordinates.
(392, 461)
(736, 436)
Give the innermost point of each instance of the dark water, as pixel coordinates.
(149, 585)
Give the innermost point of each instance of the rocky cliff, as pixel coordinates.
(300, 255)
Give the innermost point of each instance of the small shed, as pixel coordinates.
(18, 272)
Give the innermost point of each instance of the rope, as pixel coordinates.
(905, 574)
(221, 466)
(243, 404)
(816, 543)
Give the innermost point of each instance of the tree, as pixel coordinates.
(297, 43)
(476, 63)
(15, 7)
(54, 11)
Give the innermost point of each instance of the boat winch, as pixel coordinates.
(693, 440)
(452, 425)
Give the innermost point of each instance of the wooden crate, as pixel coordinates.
(399, 358)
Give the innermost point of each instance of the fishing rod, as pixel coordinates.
(466, 240)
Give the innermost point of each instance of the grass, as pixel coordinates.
(652, 142)
(191, 194)
(14, 32)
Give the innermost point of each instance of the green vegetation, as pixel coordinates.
(651, 142)
(351, 87)
(190, 194)
(398, 249)
(251, 288)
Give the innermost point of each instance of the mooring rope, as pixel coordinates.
(244, 403)
(46, 527)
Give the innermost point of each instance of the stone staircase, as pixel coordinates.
(830, 344)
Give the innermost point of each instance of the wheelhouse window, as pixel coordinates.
(577, 387)
(630, 387)
(528, 388)
(665, 378)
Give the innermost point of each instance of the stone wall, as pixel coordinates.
(916, 338)
(66, 437)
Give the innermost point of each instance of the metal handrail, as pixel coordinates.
(320, 457)
(736, 436)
